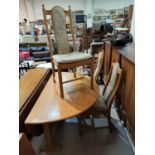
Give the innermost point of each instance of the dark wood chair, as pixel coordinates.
(103, 104)
(25, 147)
(65, 58)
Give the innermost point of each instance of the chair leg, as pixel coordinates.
(74, 74)
(91, 75)
(110, 125)
(53, 71)
(83, 68)
(74, 71)
(60, 82)
(92, 121)
(80, 125)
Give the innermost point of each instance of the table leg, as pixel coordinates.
(49, 145)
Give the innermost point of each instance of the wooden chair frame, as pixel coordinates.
(62, 66)
(105, 111)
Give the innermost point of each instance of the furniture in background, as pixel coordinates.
(129, 16)
(41, 38)
(106, 31)
(23, 67)
(121, 29)
(111, 16)
(64, 59)
(103, 104)
(25, 147)
(125, 99)
(39, 50)
(51, 108)
(30, 86)
(95, 47)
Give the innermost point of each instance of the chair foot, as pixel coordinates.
(54, 80)
(60, 83)
(110, 125)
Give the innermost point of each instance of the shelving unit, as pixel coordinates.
(114, 16)
(77, 27)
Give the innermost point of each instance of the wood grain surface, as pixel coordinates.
(28, 83)
(50, 107)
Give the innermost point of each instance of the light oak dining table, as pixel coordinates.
(50, 107)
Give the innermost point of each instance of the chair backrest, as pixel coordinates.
(58, 17)
(99, 65)
(112, 84)
(59, 27)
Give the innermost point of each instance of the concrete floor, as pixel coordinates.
(96, 142)
(93, 142)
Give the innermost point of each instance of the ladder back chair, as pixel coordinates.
(103, 104)
(64, 59)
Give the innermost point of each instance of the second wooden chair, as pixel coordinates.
(103, 104)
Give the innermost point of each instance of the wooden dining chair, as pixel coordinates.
(103, 104)
(65, 58)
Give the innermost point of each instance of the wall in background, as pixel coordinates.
(32, 9)
(37, 5)
(88, 10)
(25, 10)
(22, 10)
(111, 4)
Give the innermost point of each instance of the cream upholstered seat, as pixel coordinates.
(102, 105)
(71, 57)
(65, 58)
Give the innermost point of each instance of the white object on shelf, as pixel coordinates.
(45, 65)
(31, 62)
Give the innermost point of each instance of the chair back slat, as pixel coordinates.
(112, 82)
(60, 32)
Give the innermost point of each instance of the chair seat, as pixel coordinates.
(71, 57)
(99, 103)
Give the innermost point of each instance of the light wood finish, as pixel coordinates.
(107, 62)
(72, 32)
(115, 56)
(25, 147)
(50, 107)
(65, 65)
(128, 95)
(28, 83)
(30, 87)
(49, 144)
(73, 65)
(130, 12)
